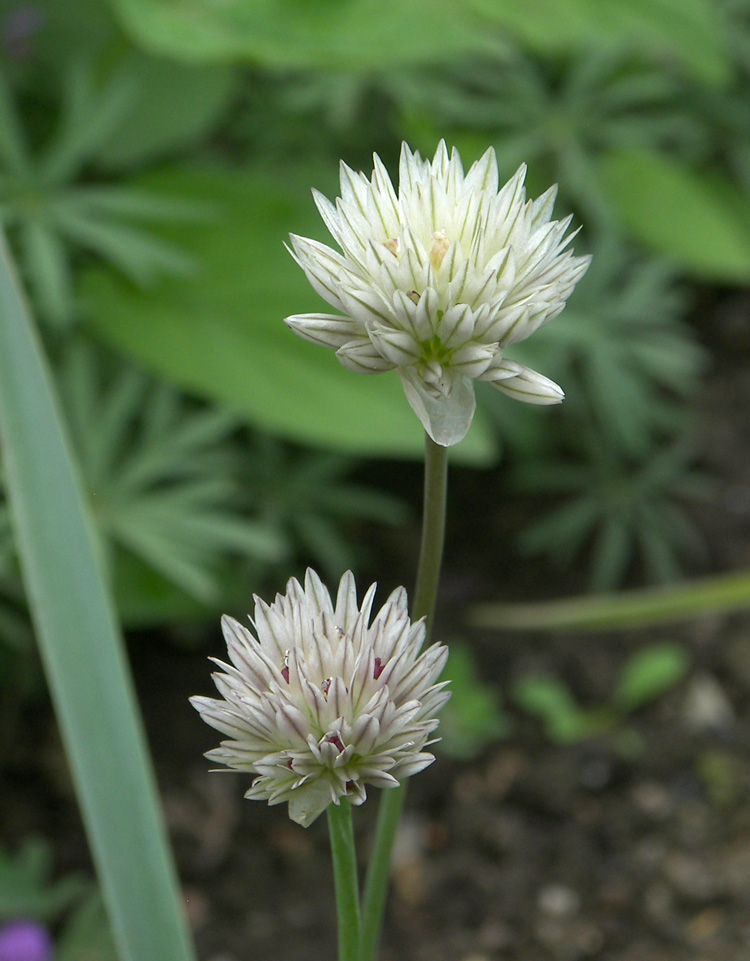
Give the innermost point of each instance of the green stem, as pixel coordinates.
(433, 532)
(345, 879)
(425, 597)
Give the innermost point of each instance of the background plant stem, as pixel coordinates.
(345, 879)
(423, 605)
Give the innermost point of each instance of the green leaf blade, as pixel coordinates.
(359, 34)
(679, 212)
(82, 650)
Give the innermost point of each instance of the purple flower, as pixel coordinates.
(25, 941)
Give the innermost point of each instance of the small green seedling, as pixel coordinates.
(473, 718)
(26, 886)
(28, 892)
(645, 676)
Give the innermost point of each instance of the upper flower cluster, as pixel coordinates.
(437, 280)
(323, 702)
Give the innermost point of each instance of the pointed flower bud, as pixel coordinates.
(321, 701)
(437, 279)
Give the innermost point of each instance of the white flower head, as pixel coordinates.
(320, 701)
(437, 279)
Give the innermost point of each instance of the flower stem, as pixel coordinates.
(433, 532)
(345, 879)
(425, 597)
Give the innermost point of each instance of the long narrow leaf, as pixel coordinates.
(82, 649)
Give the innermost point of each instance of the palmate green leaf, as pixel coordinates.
(138, 254)
(175, 105)
(90, 114)
(14, 154)
(621, 350)
(157, 474)
(27, 889)
(679, 212)
(46, 262)
(278, 478)
(612, 551)
(137, 205)
(358, 34)
(220, 332)
(689, 31)
(50, 216)
(179, 533)
(629, 509)
(82, 649)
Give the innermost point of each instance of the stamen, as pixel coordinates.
(379, 668)
(336, 741)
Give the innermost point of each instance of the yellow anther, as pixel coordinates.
(440, 245)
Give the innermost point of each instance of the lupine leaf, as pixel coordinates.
(689, 31)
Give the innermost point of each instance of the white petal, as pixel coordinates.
(483, 174)
(362, 357)
(346, 601)
(327, 330)
(456, 326)
(322, 267)
(472, 360)
(397, 346)
(524, 384)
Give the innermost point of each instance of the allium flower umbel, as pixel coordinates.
(438, 280)
(320, 702)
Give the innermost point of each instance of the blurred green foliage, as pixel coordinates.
(70, 903)
(26, 886)
(473, 718)
(645, 676)
(155, 155)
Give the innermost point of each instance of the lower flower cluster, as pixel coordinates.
(321, 701)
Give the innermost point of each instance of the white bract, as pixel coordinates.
(320, 702)
(438, 280)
